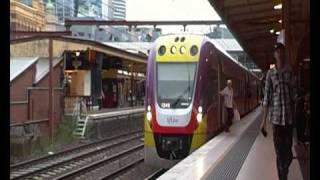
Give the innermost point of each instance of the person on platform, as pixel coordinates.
(229, 104)
(278, 102)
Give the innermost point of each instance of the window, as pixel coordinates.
(175, 84)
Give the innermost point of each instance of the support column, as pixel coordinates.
(51, 117)
(286, 5)
(131, 86)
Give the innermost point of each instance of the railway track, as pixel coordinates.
(51, 167)
(109, 167)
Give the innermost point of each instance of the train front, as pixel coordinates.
(171, 112)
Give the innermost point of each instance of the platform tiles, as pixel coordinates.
(201, 162)
(261, 161)
(242, 154)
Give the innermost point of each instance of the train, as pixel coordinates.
(183, 110)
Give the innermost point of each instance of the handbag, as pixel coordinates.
(236, 115)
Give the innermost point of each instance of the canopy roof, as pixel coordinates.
(250, 21)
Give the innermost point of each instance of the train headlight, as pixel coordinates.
(193, 50)
(149, 116)
(173, 49)
(199, 117)
(182, 50)
(200, 109)
(162, 50)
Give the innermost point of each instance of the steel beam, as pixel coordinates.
(69, 22)
(41, 33)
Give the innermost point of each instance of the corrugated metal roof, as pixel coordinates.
(19, 64)
(133, 47)
(42, 67)
(229, 44)
(219, 47)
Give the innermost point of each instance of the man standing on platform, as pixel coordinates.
(278, 102)
(227, 94)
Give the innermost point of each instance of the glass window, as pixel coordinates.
(175, 83)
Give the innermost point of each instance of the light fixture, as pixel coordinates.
(162, 50)
(77, 53)
(199, 117)
(280, 21)
(182, 50)
(173, 49)
(277, 7)
(193, 50)
(278, 32)
(199, 114)
(149, 114)
(271, 31)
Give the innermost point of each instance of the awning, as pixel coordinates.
(254, 24)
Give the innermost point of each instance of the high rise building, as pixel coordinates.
(107, 9)
(90, 8)
(119, 7)
(64, 9)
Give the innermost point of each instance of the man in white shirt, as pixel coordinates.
(227, 94)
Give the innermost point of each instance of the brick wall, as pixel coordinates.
(18, 87)
(38, 98)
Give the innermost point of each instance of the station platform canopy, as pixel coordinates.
(37, 46)
(257, 23)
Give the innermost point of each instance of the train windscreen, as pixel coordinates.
(175, 83)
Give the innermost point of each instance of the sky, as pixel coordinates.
(172, 10)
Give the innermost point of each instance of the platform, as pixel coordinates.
(242, 154)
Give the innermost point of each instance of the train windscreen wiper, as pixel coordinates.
(180, 96)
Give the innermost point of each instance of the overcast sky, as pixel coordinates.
(171, 10)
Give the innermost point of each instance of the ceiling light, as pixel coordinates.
(280, 21)
(279, 6)
(271, 31)
(278, 32)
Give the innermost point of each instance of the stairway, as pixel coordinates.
(82, 119)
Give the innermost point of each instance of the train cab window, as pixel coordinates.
(175, 84)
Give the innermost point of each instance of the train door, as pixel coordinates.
(211, 102)
(246, 99)
(209, 99)
(221, 84)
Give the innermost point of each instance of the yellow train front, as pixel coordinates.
(183, 109)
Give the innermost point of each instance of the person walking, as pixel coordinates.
(278, 102)
(227, 94)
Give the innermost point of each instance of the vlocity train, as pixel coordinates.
(183, 108)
